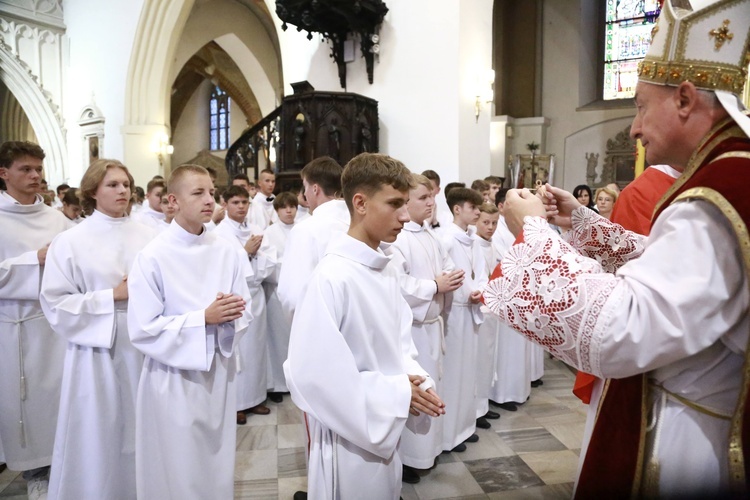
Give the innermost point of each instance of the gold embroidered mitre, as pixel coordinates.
(700, 41)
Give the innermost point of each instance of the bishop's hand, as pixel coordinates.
(520, 203)
(559, 205)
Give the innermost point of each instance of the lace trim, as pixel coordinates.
(598, 238)
(553, 295)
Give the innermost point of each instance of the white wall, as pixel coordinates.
(101, 39)
(561, 33)
(423, 82)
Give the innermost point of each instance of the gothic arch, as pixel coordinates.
(42, 113)
(149, 82)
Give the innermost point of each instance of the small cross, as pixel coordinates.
(721, 34)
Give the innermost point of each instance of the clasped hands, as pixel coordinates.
(552, 203)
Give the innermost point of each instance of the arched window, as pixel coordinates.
(627, 36)
(219, 120)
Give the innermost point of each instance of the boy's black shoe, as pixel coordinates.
(482, 423)
(410, 475)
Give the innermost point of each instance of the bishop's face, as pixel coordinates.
(657, 124)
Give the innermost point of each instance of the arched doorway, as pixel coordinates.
(41, 113)
(159, 54)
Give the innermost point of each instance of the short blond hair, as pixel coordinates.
(181, 172)
(605, 190)
(488, 208)
(93, 177)
(421, 180)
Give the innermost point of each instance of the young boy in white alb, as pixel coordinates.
(486, 344)
(279, 325)
(512, 384)
(252, 352)
(187, 312)
(354, 375)
(427, 275)
(463, 317)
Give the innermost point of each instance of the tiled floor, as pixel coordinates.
(530, 454)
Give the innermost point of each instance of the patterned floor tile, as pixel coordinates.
(502, 474)
(447, 481)
(292, 462)
(553, 466)
(531, 440)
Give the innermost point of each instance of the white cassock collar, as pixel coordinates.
(353, 249)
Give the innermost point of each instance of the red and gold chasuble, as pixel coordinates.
(719, 173)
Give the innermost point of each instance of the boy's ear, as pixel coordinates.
(172, 199)
(359, 203)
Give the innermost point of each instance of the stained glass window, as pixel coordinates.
(626, 40)
(219, 120)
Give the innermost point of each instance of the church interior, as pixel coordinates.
(524, 90)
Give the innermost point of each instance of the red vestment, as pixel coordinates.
(633, 211)
(614, 459)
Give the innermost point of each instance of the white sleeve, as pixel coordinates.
(684, 293)
(20, 277)
(86, 318)
(367, 408)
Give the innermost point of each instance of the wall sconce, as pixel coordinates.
(485, 93)
(161, 147)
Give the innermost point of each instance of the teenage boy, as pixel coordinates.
(187, 312)
(58, 201)
(252, 350)
(463, 319)
(482, 188)
(356, 378)
(279, 326)
(309, 239)
(31, 355)
(262, 212)
(496, 183)
(427, 275)
(303, 208)
(486, 342)
(150, 213)
(513, 353)
(71, 206)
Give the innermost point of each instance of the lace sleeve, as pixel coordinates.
(598, 238)
(552, 295)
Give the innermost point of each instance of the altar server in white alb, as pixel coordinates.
(262, 212)
(85, 298)
(187, 311)
(279, 326)
(151, 213)
(252, 351)
(512, 382)
(31, 355)
(427, 275)
(355, 375)
(310, 238)
(464, 316)
(487, 339)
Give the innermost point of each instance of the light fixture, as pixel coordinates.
(161, 147)
(484, 92)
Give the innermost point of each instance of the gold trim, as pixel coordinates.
(732, 154)
(638, 479)
(735, 453)
(706, 76)
(722, 34)
(706, 146)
